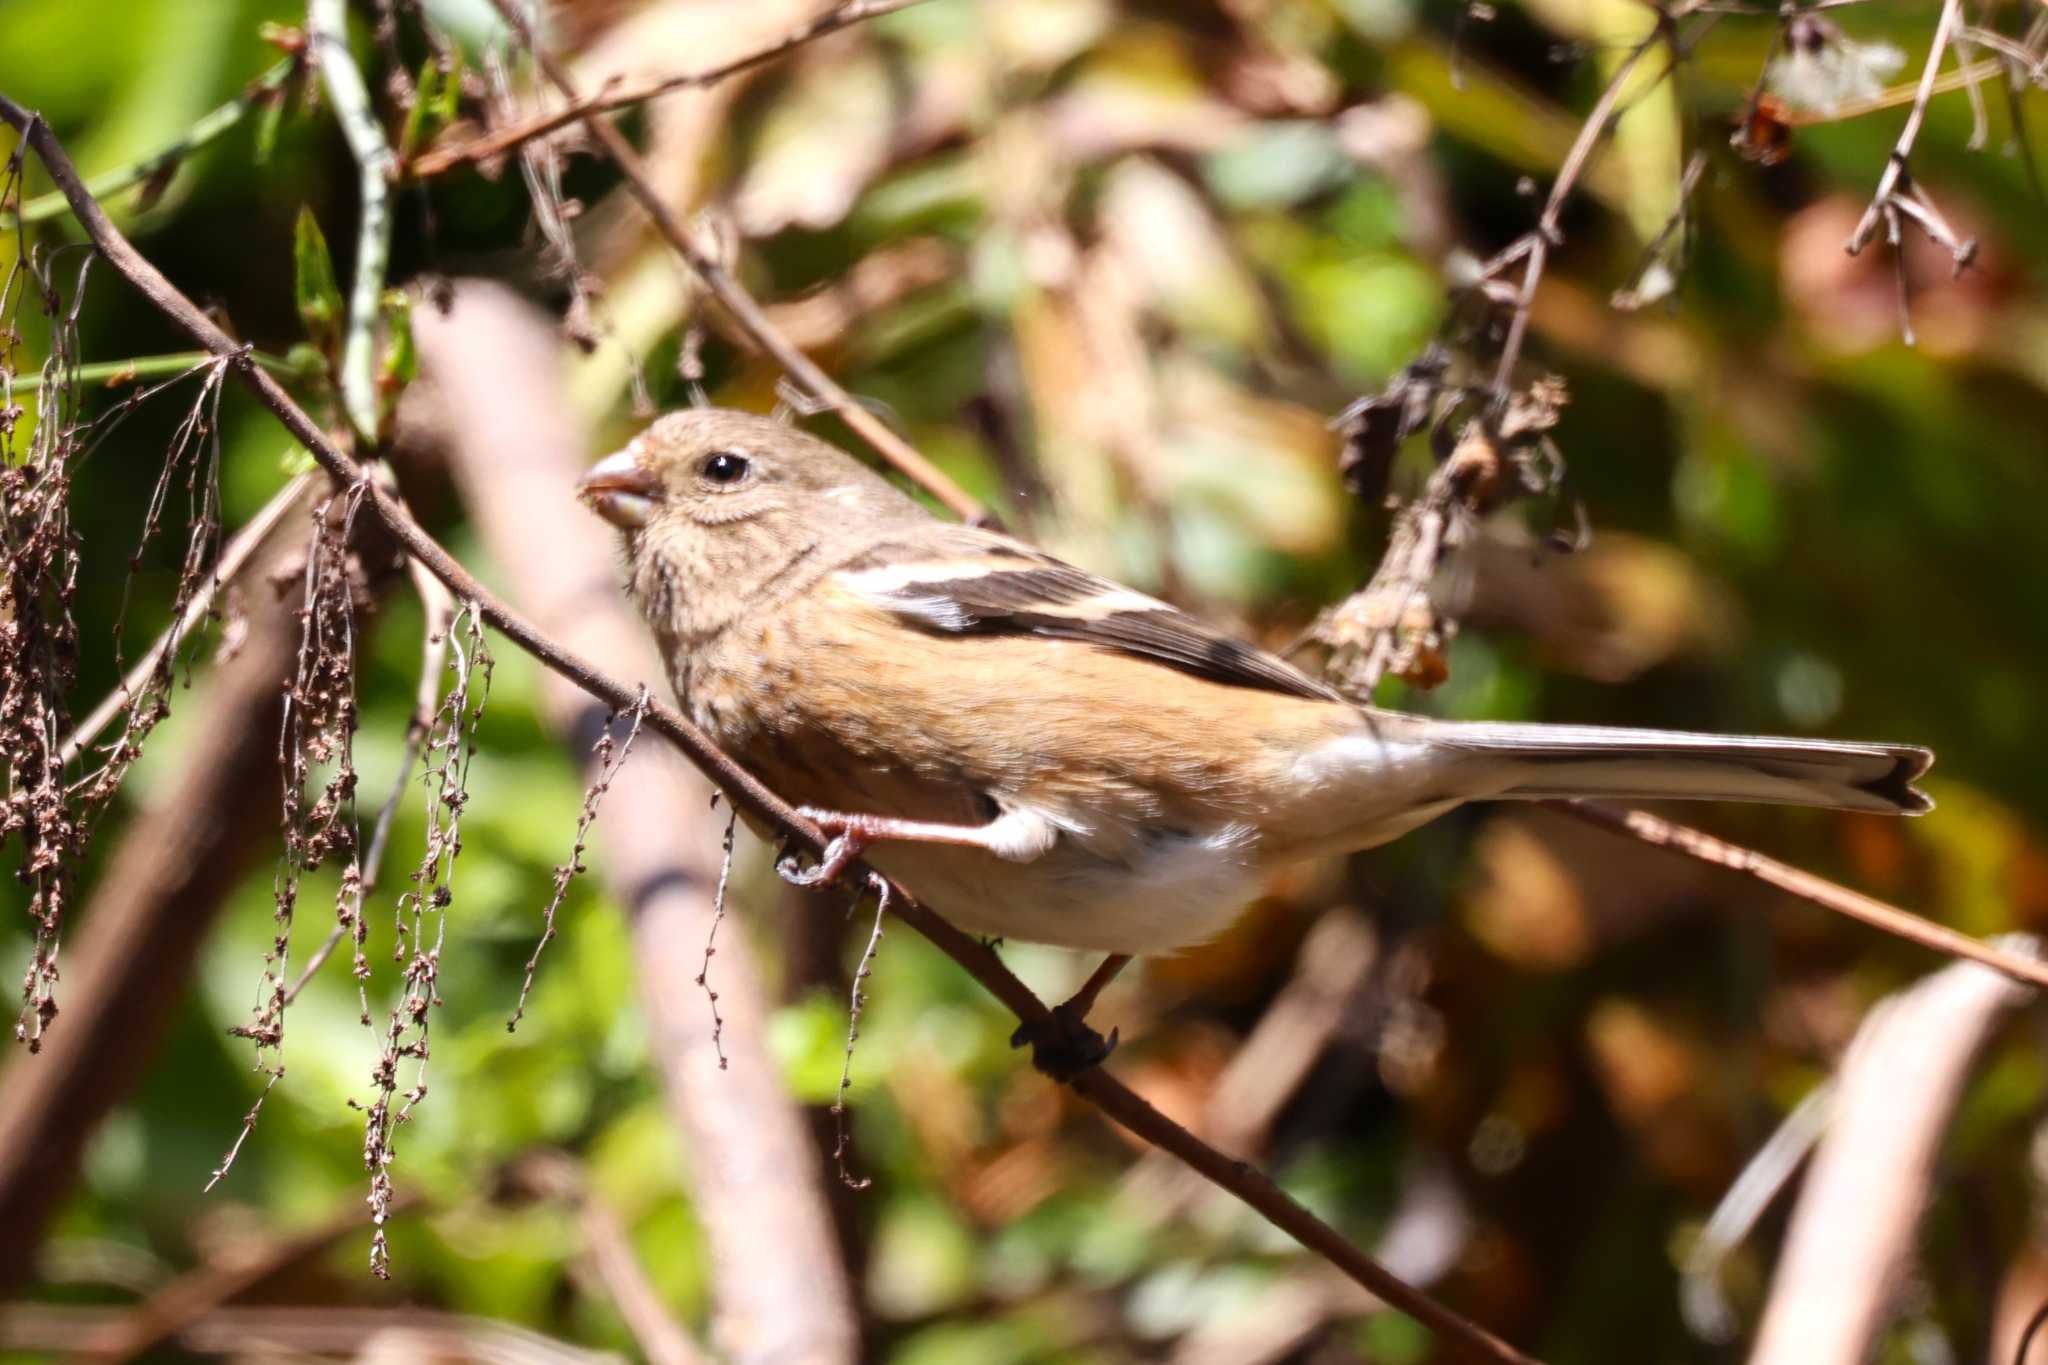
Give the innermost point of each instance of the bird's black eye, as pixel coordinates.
(724, 467)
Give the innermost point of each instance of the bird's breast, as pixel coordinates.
(1177, 890)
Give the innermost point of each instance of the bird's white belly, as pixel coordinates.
(1172, 893)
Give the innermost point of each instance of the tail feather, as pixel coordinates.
(1582, 760)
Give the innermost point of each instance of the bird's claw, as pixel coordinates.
(844, 850)
(1063, 1045)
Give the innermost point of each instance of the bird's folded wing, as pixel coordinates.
(971, 583)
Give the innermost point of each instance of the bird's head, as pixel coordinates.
(717, 506)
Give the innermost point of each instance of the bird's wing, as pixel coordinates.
(965, 582)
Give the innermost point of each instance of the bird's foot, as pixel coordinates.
(843, 852)
(1062, 1044)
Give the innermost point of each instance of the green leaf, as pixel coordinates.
(314, 289)
(450, 102)
(401, 357)
(269, 117)
(426, 100)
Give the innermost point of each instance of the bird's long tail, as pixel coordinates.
(1583, 760)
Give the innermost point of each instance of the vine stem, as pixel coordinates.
(209, 126)
(376, 166)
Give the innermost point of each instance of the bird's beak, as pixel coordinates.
(621, 492)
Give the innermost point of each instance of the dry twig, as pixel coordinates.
(739, 304)
(1654, 830)
(609, 752)
(242, 1266)
(614, 96)
(450, 745)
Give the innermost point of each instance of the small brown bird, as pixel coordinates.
(1039, 753)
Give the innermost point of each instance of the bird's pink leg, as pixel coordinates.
(851, 835)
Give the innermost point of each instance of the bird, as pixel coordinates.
(1039, 753)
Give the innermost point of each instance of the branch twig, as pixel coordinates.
(1895, 167)
(613, 96)
(157, 164)
(747, 792)
(242, 1266)
(1662, 833)
(739, 303)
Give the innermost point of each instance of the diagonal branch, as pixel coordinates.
(613, 96)
(739, 303)
(1108, 1094)
(1655, 830)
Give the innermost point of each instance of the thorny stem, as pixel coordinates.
(613, 97)
(1111, 1096)
(234, 557)
(732, 820)
(856, 998)
(738, 302)
(610, 755)
(367, 876)
(376, 164)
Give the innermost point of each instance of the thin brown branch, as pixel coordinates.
(1662, 833)
(342, 1332)
(243, 1265)
(1459, 1334)
(1533, 250)
(614, 96)
(661, 1338)
(737, 302)
(609, 1259)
